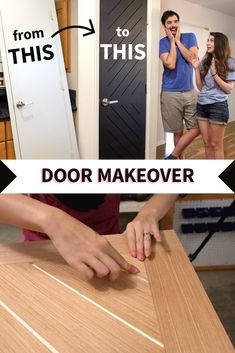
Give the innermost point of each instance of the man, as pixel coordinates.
(178, 97)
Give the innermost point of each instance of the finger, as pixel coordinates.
(113, 266)
(100, 269)
(84, 271)
(138, 230)
(140, 243)
(156, 232)
(147, 244)
(148, 238)
(168, 33)
(121, 261)
(130, 233)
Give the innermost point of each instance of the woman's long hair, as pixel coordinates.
(222, 53)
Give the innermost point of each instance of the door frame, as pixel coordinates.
(88, 72)
(9, 96)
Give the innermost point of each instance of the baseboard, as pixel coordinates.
(161, 142)
(214, 268)
(232, 120)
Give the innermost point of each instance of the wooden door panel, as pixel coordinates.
(15, 338)
(74, 316)
(67, 319)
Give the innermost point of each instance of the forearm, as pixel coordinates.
(170, 60)
(198, 79)
(24, 212)
(79, 245)
(159, 205)
(225, 86)
(187, 54)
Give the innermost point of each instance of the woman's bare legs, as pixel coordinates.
(177, 137)
(184, 141)
(204, 127)
(213, 138)
(216, 136)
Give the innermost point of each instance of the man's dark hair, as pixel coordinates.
(168, 14)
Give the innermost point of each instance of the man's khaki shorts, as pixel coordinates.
(177, 107)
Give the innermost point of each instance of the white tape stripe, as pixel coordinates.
(142, 278)
(138, 277)
(29, 328)
(150, 338)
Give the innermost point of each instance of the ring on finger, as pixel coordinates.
(148, 234)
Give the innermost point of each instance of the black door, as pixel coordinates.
(122, 79)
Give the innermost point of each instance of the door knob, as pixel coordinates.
(106, 102)
(21, 104)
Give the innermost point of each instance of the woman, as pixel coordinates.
(215, 77)
(74, 224)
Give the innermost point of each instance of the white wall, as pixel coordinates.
(203, 17)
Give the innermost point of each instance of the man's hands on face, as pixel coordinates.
(178, 35)
(170, 35)
(85, 250)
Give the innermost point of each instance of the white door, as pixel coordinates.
(36, 82)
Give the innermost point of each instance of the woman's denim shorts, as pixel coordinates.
(216, 113)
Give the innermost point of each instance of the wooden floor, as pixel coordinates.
(196, 149)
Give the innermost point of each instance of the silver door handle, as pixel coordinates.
(106, 102)
(21, 104)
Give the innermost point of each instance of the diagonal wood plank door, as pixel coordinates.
(123, 79)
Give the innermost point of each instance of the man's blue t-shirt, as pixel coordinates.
(181, 78)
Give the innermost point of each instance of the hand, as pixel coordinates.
(196, 63)
(140, 233)
(170, 35)
(88, 252)
(178, 35)
(213, 67)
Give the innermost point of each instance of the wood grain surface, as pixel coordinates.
(188, 321)
(15, 338)
(45, 307)
(28, 252)
(67, 319)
